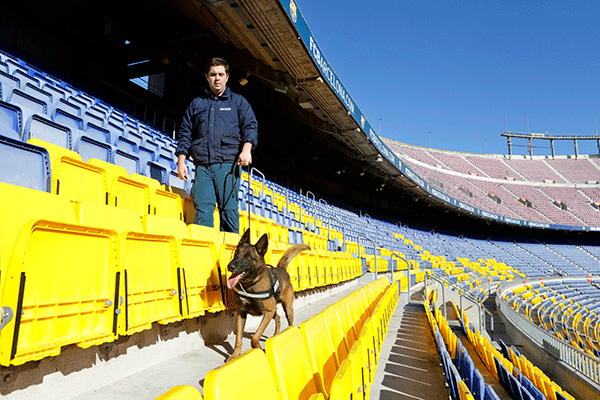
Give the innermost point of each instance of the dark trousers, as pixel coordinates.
(220, 184)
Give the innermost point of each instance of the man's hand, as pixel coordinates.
(182, 169)
(245, 157)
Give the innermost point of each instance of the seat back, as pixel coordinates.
(321, 353)
(24, 164)
(246, 377)
(73, 178)
(48, 249)
(290, 366)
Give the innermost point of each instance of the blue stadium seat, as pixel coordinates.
(135, 137)
(490, 394)
(130, 162)
(74, 123)
(48, 131)
(38, 93)
(88, 147)
(9, 83)
(57, 93)
(115, 129)
(69, 108)
(14, 65)
(98, 133)
(3, 67)
(157, 172)
(93, 118)
(11, 120)
(29, 105)
(125, 144)
(478, 387)
(24, 164)
(24, 77)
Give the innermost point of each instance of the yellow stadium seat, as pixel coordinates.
(184, 392)
(335, 333)
(369, 347)
(72, 178)
(290, 365)
(356, 314)
(342, 386)
(321, 352)
(150, 265)
(351, 333)
(247, 377)
(229, 242)
(464, 392)
(199, 272)
(202, 274)
(162, 202)
(360, 371)
(48, 249)
(123, 191)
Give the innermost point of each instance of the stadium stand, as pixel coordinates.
(113, 202)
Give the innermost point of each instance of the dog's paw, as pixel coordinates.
(232, 357)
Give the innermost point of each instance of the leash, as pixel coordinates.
(262, 295)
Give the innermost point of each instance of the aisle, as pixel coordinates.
(409, 367)
(191, 368)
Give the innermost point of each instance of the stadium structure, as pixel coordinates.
(432, 274)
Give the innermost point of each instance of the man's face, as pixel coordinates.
(217, 79)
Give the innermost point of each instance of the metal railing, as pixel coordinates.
(393, 253)
(461, 297)
(343, 231)
(374, 247)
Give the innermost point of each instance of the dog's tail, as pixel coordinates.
(290, 253)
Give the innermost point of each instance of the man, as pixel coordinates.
(218, 131)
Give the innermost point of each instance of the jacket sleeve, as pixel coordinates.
(248, 123)
(185, 132)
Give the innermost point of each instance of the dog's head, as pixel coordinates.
(247, 259)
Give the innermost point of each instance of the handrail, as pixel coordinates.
(263, 179)
(314, 212)
(343, 231)
(313, 195)
(486, 311)
(474, 301)
(393, 253)
(323, 202)
(370, 240)
(287, 198)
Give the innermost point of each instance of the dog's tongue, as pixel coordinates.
(231, 282)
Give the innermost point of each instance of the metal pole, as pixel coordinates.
(374, 250)
(343, 231)
(409, 271)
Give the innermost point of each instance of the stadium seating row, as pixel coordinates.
(107, 272)
(549, 197)
(465, 382)
(565, 308)
(521, 381)
(304, 363)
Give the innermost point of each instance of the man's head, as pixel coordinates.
(217, 74)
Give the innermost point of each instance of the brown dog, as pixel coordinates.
(258, 288)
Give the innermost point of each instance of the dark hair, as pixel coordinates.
(215, 62)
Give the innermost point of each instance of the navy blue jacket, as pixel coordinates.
(213, 130)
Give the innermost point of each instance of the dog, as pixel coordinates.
(258, 288)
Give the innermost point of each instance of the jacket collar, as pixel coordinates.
(225, 94)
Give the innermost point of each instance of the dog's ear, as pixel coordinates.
(245, 237)
(262, 245)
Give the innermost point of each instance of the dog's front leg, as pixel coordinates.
(239, 333)
(267, 317)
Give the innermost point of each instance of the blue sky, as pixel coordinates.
(461, 69)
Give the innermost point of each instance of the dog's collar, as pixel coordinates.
(262, 295)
